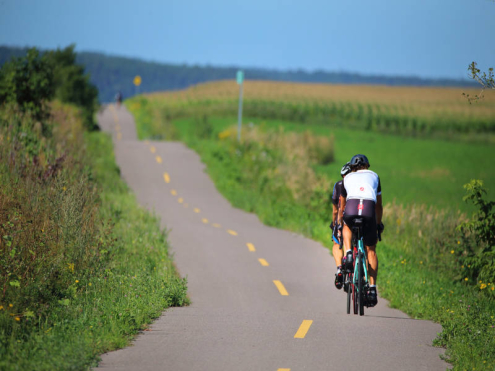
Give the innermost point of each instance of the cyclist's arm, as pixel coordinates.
(334, 214)
(379, 209)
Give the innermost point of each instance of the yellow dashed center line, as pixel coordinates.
(251, 247)
(166, 177)
(281, 288)
(117, 127)
(152, 149)
(158, 159)
(283, 369)
(196, 210)
(263, 262)
(216, 225)
(303, 329)
(230, 231)
(204, 220)
(180, 200)
(173, 192)
(119, 136)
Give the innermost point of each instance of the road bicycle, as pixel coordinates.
(356, 282)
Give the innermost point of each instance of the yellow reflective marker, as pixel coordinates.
(196, 210)
(281, 288)
(263, 262)
(119, 136)
(152, 149)
(303, 329)
(174, 192)
(166, 177)
(180, 200)
(283, 369)
(230, 231)
(251, 247)
(158, 159)
(216, 225)
(204, 220)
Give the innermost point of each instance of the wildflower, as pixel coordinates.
(17, 319)
(421, 262)
(462, 266)
(77, 281)
(483, 286)
(1, 307)
(11, 305)
(451, 251)
(458, 242)
(90, 284)
(493, 287)
(465, 279)
(64, 188)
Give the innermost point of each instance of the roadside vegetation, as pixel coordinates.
(82, 267)
(436, 262)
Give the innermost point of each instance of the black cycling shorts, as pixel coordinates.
(365, 209)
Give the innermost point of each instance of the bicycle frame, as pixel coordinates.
(360, 253)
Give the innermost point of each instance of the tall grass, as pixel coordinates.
(82, 266)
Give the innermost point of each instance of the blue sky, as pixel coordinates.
(428, 38)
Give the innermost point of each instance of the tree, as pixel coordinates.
(487, 81)
(72, 84)
(28, 82)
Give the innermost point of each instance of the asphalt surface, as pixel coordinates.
(239, 318)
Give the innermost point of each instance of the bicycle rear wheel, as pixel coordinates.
(361, 285)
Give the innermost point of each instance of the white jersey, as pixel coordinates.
(362, 184)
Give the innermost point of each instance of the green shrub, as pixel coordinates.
(28, 83)
(478, 257)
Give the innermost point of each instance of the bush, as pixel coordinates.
(28, 83)
(478, 257)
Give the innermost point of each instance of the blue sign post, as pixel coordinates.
(240, 80)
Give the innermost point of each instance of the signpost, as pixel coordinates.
(137, 82)
(240, 80)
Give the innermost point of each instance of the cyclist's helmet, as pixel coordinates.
(346, 169)
(359, 160)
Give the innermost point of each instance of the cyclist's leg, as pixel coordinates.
(372, 263)
(338, 254)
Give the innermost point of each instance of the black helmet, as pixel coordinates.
(346, 169)
(359, 160)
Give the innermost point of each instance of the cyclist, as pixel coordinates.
(336, 227)
(362, 197)
(118, 98)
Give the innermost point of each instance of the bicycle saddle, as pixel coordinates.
(358, 221)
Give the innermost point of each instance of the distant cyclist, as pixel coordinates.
(336, 226)
(362, 197)
(118, 98)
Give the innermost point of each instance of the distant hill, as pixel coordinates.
(111, 74)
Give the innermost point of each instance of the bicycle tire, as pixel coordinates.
(361, 285)
(348, 280)
(354, 288)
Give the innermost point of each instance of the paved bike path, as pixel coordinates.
(239, 318)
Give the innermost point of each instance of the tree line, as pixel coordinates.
(111, 74)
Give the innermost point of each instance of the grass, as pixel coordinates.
(412, 170)
(100, 269)
(421, 270)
